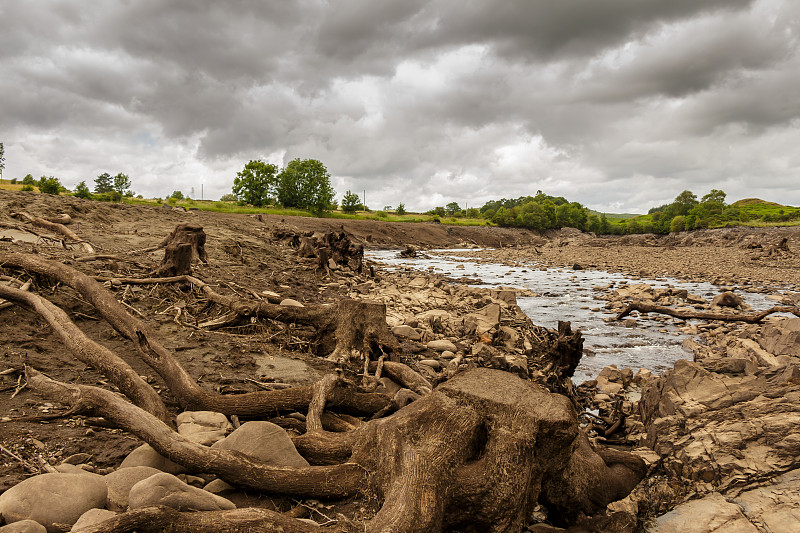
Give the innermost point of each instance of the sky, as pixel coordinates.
(617, 104)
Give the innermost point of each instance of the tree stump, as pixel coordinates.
(185, 244)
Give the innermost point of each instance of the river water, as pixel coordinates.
(564, 294)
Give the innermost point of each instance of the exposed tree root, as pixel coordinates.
(751, 318)
(162, 360)
(58, 228)
(93, 354)
(183, 245)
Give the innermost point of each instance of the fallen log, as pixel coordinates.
(162, 360)
(58, 228)
(750, 318)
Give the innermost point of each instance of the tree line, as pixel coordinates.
(303, 184)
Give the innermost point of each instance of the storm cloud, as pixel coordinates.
(619, 105)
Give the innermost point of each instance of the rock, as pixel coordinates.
(145, 455)
(642, 376)
(774, 507)
(442, 345)
(431, 363)
(509, 296)
(203, 427)
(387, 386)
(750, 349)
(53, 499)
(727, 299)
(77, 458)
(508, 337)
(265, 441)
(92, 517)
(288, 302)
(407, 332)
(166, 489)
(712, 513)
(218, 487)
(447, 354)
(24, 526)
(121, 481)
(483, 320)
(782, 337)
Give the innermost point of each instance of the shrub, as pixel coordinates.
(49, 185)
(678, 224)
(13, 181)
(172, 200)
(401, 209)
(27, 187)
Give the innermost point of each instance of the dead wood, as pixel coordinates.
(58, 228)
(183, 245)
(404, 375)
(162, 360)
(750, 318)
(93, 354)
(554, 356)
(337, 481)
(333, 249)
(478, 452)
(161, 518)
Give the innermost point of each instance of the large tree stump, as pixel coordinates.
(185, 244)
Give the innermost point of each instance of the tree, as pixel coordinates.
(82, 191)
(351, 202)
(678, 224)
(257, 183)
(228, 198)
(305, 184)
(715, 196)
(401, 209)
(28, 180)
(103, 183)
(684, 202)
(121, 183)
(49, 185)
(178, 195)
(452, 208)
(2, 160)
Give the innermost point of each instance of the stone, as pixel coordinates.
(203, 427)
(447, 354)
(24, 526)
(442, 345)
(121, 481)
(92, 517)
(387, 386)
(712, 513)
(407, 332)
(431, 363)
(264, 441)
(782, 337)
(166, 489)
(727, 299)
(218, 487)
(77, 458)
(145, 455)
(53, 500)
(483, 320)
(288, 302)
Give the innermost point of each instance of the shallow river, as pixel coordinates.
(568, 295)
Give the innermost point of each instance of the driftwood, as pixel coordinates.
(162, 360)
(58, 228)
(480, 451)
(751, 318)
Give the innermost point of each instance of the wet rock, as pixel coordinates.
(53, 500)
(265, 441)
(203, 427)
(727, 299)
(121, 481)
(145, 455)
(166, 489)
(92, 517)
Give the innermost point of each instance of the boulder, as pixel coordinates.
(92, 517)
(442, 345)
(166, 489)
(288, 302)
(782, 337)
(407, 332)
(218, 487)
(121, 481)
(265, 441)
(54, 500)
(712, 513)
(482, 320)
(727, 299)
(145, 455)
(203, 427)
(24, 526)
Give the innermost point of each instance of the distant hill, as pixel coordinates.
(618, 216)
(753, 201)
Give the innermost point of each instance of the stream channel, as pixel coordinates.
(564, 294)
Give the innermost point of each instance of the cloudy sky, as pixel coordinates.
(617, 104)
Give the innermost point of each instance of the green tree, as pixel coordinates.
(351, 202)
(228, 198)
(178, 195)
(401, 209)
(2, 160)
(452, 208)
(103, 183)
(121, 183)
(82, 191)
(684, 202)
(28, 180)
(715, 196)
(677, 224)
(305, 184)
(257, 183)
(49, 185)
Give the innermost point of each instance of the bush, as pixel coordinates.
(227, 198)
(381, 214)
(13, 181)
(49, 185)
(27, 187)
(401, 209)
(176, 195)
(82, 191)
(172, 200)
(678, 224)
(28, 180)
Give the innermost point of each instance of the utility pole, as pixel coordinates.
(364, 201)
(201, 191)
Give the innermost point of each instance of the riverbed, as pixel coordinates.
(565, 294)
